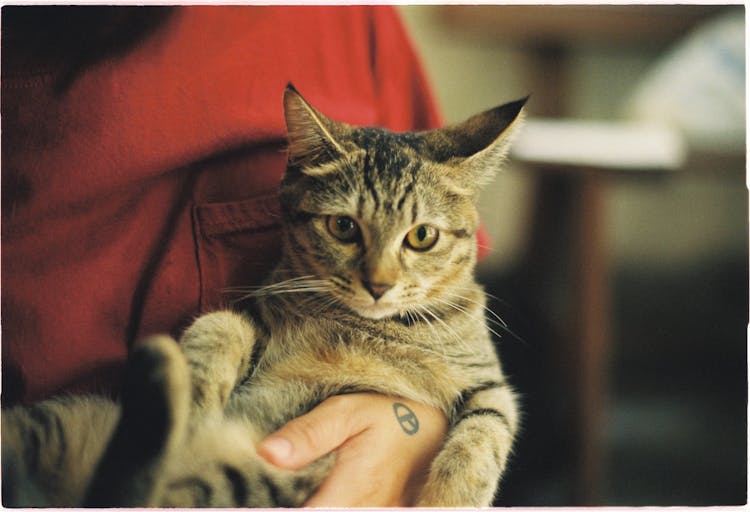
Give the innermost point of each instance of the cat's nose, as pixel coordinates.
(377, 290)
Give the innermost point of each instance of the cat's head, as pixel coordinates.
(387, 220)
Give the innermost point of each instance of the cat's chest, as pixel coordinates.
(326, 354)
(315, 360)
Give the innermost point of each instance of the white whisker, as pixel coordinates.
(495, 315)
(300, 284)
(464, 311)
(427, 322)
(450, 330)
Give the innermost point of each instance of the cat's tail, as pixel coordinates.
(152, 425)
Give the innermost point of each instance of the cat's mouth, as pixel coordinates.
(391, 304)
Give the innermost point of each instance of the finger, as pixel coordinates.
(312, 435)
(361, 481)
(391, 475)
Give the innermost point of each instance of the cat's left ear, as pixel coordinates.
(314, 139)
(476, 148)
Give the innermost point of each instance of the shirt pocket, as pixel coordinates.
(237, 245)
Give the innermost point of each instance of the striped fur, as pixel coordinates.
(362, 300)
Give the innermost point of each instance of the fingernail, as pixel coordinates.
(276, 447)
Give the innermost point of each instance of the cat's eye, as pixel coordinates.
(422, 237)
(343, 227)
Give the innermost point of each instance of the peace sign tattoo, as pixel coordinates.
(406, 418)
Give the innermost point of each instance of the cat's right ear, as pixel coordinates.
(475, 148)
(314, 140)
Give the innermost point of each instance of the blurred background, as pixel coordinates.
(620, 241)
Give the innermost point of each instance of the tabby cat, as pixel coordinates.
(374, 292)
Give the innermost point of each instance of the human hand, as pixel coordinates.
(381, 460)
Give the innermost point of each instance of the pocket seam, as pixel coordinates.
(216, 219)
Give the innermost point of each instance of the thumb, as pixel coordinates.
(312, 435)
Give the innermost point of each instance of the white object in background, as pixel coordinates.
(699, 87)
(599, 144)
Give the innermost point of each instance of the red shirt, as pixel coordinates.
(147, 186)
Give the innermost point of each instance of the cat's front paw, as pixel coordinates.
(467, 470)
(218, 347)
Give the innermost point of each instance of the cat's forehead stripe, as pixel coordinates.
(368, 177)
(388, 169)
(384, 149)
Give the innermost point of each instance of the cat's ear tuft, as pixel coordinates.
(475, 149)
(314, 140)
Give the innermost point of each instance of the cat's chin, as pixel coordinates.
(375, 311)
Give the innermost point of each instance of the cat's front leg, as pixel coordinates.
(467, 470)
(218, 347)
